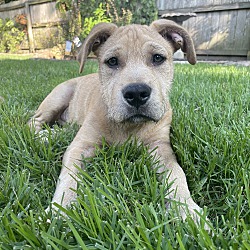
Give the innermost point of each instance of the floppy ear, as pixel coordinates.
(177, 36)
(98, 35)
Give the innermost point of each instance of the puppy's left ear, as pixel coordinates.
(97, 36)
(177, 36)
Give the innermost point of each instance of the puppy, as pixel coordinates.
(128, 97)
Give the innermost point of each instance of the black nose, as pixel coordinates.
(136, 94)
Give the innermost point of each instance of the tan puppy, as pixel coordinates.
(129, 96)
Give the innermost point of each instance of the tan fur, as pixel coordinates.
(96, 101)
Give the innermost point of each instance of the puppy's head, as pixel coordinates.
(136, 66)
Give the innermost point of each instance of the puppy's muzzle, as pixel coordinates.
(136, 94)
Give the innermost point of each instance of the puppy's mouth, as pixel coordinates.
(139, 118)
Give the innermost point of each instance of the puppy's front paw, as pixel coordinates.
(35, 125)
(58, 210)
(55, 209)
(197, 214)
(52, 210)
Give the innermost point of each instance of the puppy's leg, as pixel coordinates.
(67, 181)
(176, 176)
(53, 105)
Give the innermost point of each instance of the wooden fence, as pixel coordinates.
(221, 28)
(43, 22)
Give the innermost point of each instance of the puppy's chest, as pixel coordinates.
(119, 133)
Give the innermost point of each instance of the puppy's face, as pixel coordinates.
(136, 72)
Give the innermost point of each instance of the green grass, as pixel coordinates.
(120, 202)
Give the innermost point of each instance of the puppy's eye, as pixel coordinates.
(158, 59)
(112, 62)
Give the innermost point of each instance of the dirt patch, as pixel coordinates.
(226, 63)
(230, 63)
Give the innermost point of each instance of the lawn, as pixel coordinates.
(120, 201)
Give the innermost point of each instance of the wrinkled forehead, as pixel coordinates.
(135, 39)
(134, 32)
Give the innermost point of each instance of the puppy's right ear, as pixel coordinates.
(97, 36)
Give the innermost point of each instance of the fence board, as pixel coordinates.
(240, 28)
(45, 13)
(246, 34)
